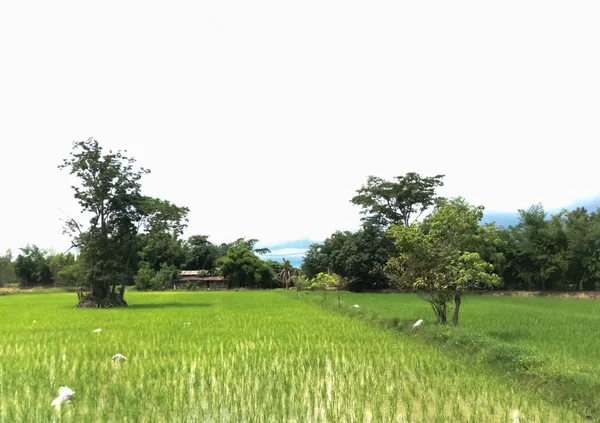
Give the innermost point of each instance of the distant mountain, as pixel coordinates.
(507, 219)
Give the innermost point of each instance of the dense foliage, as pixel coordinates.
(7, 269)
(390, 202)
(132, 238)
(440, 257)
(559, 252)
(244, 268)
(360, 256)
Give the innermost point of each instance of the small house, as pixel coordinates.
(197, 278)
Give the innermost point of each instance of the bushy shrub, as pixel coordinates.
(324, 281)
(143, 279)
(70, 275)
(163, 279)
(300, 282)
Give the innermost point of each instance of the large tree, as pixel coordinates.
(244, 268)
(31, 266)
(360, 257)
(57, 262)
(537, 250)
(109, 192)
(440, 258)
(582, 231)
(404, 199)
(7, 269)
(201, 254)
(559, 252)
(159, 243)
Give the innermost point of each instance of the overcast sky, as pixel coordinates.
(264, 117)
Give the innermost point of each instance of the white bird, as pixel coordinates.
(97, 330)
(64, 394)
(355, 306)
(417, 323)
(117, 358)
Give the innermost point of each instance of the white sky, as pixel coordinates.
(264, 117)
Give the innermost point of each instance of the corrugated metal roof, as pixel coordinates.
(189, 273)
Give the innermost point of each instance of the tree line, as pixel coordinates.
(542, 252)
(160, 259)
(35, 266)
(410, 238)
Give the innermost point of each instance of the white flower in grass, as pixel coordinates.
(97, 330)
(64, 394)
(417, 323)
(117, 358)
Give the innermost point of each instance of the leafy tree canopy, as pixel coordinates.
(7, 269)
(440, 258)
(360, 257)
(109, 190)
(244, 268)
(31, 266)
(390, 202)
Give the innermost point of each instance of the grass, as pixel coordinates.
(245, 356)
(552, 344)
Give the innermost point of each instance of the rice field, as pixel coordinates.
(552, 345)
(238, 357)
(563, 332)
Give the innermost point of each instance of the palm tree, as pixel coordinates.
(287, 271)
(250, 243)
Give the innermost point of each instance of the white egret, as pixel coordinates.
(417, 323)
(117, 358)
(97, 330)
(64, 394)
(355, 306)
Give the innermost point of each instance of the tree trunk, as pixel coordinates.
(100, 296)
(439, 308)
(443, 316)
(435, 311)
(457, 300)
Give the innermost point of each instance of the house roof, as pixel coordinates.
(189, 273)
(194, 277)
